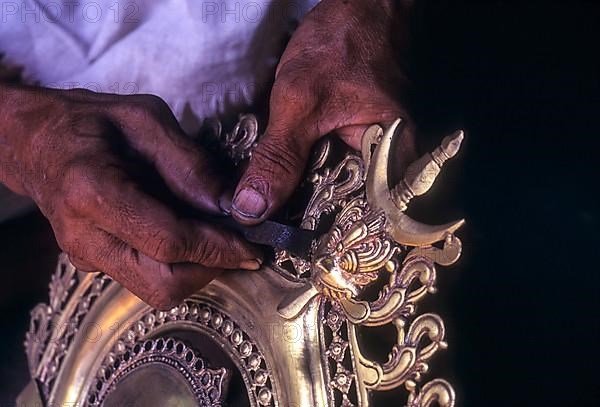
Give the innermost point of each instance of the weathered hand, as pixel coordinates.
(341, 72)
(66, 151)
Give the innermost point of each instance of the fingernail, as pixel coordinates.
(250, 264)
(249, 203)
(225, 204)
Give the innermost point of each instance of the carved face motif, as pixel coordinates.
(349, 257)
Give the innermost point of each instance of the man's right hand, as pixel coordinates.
(65, 149)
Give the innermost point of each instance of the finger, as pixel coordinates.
(278, 161)
(274, 172)
(161, 285)
(115, 204)
(190, 172)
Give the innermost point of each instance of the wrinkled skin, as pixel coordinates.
(70, 159)
(70, 151)
(340, 73)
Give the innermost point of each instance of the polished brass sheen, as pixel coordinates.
(290, 331)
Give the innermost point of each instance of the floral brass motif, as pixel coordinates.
(208, 386)
(369, 242)
(371, 234)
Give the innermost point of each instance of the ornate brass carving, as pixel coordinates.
(82, 289)
(237, 144)
(370, 234)
(208, 386)
(54, 326)
(292, 335)
(418, 178)
(331, 188)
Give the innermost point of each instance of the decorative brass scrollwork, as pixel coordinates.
(207, 387)
(292, 335)
(372, 235)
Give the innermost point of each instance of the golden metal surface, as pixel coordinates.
(419, 177)
(290, 330)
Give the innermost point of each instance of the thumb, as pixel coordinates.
(274, 171)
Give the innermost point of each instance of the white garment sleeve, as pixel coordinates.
(204, 58)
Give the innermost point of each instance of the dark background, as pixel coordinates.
(523, 79)
(522, 307)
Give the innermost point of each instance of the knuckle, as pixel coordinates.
(134, 110)
(291, 89)
(74, 248)
(155, 103)
(145, 113)
(145, 104)
(80, 188)
(297, 94)
(208, 254)
(77, 250)
(165, 247)
(131, 108)
(275, 156)
(166, 294)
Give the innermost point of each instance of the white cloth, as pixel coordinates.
(202, 57)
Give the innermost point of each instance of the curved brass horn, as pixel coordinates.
(418, 179)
